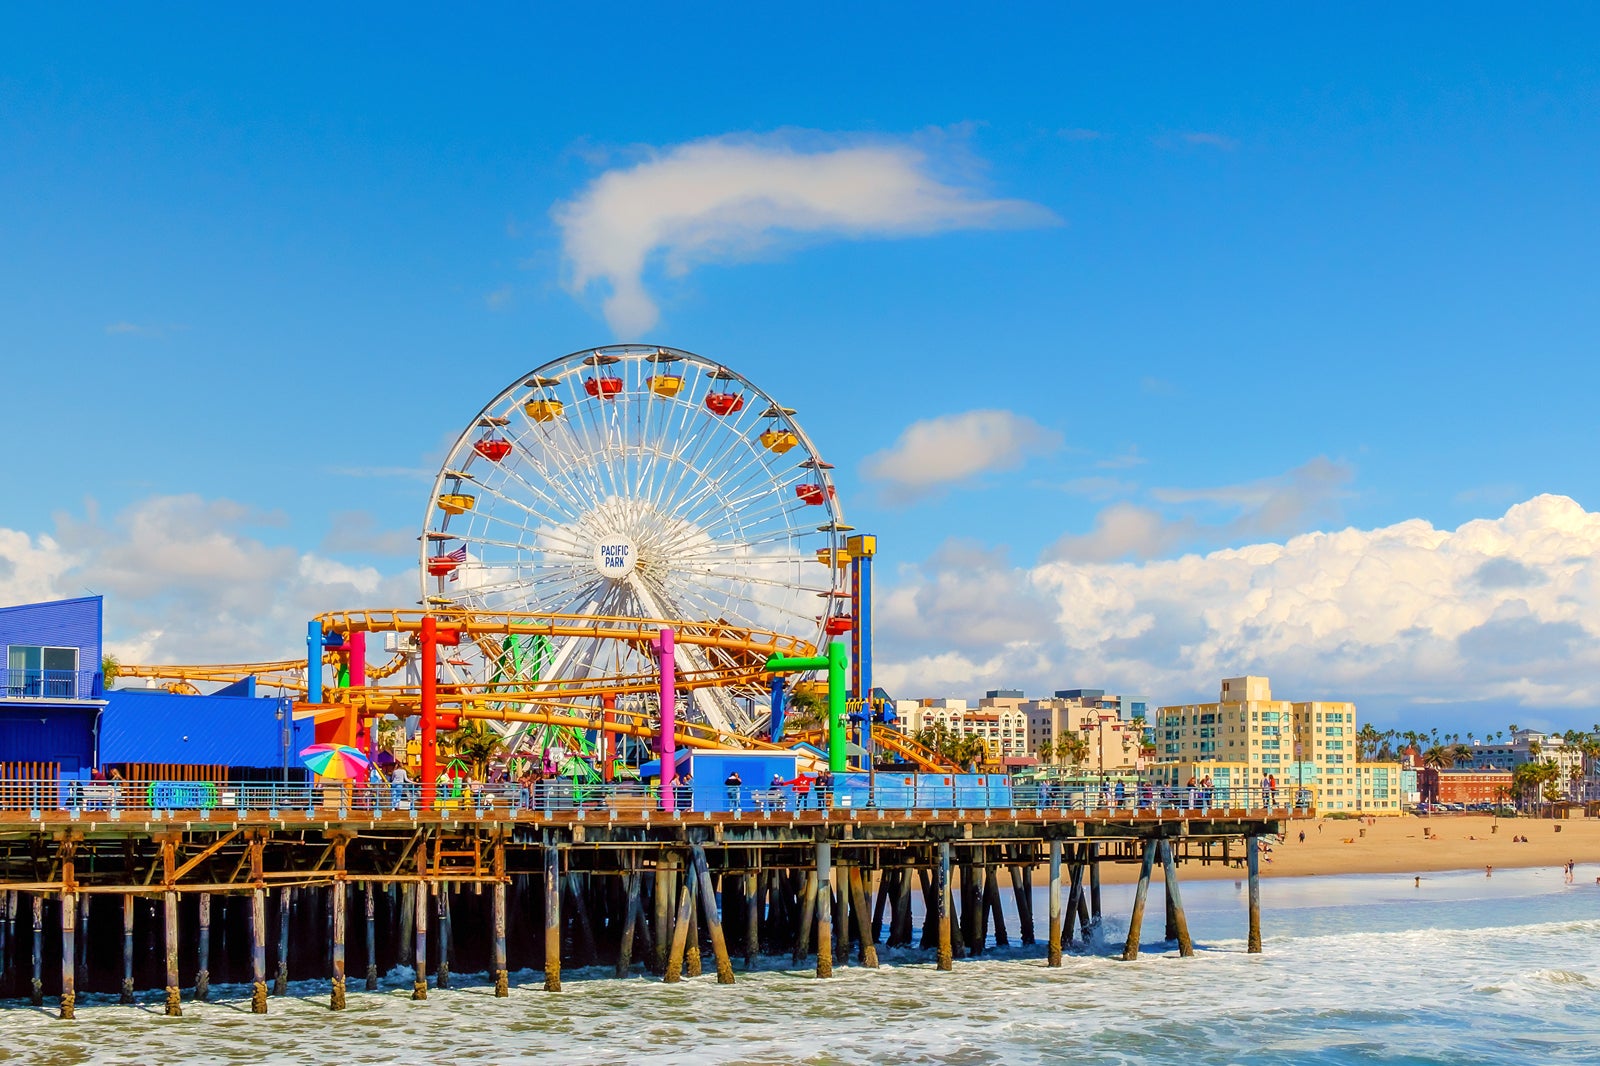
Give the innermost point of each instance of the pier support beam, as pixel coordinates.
(808, 917)
(443, 979)
(202, 973)
(340, 899)
(1054, 903)
(69, 922)
(83, 938)
(280, 981)
(691, 960)
(941, 891)
(680, 935)
(1253, 861)
(552, 917)
(1094, 886)
(708, 907)
(858, 899)
(1130, 950)
(37, 995)
(127, 948)
(258, 951)
(1021, 891)
(1180, 920)
(174, 1004)
(752, 915)
(1075, 893)
(502, 980)
(824, 908)
(419, 958)
(372, 938)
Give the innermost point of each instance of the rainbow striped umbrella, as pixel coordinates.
(336, 762)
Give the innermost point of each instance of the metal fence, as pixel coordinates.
(343, 799)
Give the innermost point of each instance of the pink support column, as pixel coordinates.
(666, 744)
(358, 679)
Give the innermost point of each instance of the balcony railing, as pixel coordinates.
(50, 684)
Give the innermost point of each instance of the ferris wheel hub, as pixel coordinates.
(615, 556)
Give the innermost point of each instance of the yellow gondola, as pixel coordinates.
(838, 558)
(779, 441)
(668, 385)
(456, 502)
(543, 410)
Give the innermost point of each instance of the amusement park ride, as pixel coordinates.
(631, 543)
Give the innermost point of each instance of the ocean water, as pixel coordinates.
(1356, 969)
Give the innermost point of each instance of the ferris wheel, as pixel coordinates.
(635, 482)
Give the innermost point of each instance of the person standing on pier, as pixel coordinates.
(735, 785)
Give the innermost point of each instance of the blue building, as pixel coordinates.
(51, 702)
(231, 734)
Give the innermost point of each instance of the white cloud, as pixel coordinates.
(185, 580)
(1502, 610)
(935, 453)
(722, 198)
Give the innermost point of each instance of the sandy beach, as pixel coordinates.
(1412, 845)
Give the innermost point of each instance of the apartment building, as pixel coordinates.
(1247, 736)
(997, 721)
(1093, 715)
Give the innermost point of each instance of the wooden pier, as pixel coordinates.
(92, 903)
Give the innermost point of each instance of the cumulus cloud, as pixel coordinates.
(191, 580)
(723, 198)
(1503, 610)
(935, 453)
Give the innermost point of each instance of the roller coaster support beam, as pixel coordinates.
(834, 663)
(608, 738)
(429, 638)
(862, 548)
(667, 749)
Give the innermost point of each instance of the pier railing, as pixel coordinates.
(343, 799)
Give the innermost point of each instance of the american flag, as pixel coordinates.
(457, 556)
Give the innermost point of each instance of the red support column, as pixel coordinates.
(429, 641)
(608, 739)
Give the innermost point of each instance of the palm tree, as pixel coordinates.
(806, 710)
(1438, 757)
(1072, 748)
(1367, 740)
(475, 744)
(110, 667)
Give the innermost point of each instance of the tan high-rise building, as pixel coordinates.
(1113, 742)
(1247, 736)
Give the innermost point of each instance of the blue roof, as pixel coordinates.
(236, 731)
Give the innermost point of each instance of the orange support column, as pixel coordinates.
(429, 641)
(608, 739)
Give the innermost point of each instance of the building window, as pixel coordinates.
(40, 671)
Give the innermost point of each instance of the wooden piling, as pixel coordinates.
(991, 902)
(691, 961)
(170, 928)
(372, 937)
(340, 901)
(1053, 957)
(1094, 886)
(37, 995)
(502, 977)
(808, 916)
(662, 890)
(1180, 920)
(69, 923)
(858, 897)
(552, 917)
(839, 903)
(708, 908)
(824, 907)
(258, 950)
(419, 955)
(752, 918)
(1130, 950)
(82, 967)
(1022, 891)
(202, 973)
(443, 898)
(1253, 862)
(942, 895)
(1075, 865)
(901, 925)
(280, 981)
(680, 936)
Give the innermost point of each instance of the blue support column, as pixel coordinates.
(779, 705)
(862, 548)
(313, 662)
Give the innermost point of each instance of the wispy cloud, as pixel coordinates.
(151, 332)
(1079, 134)
(499, 299)
(935, 453)
(1210, 140)
(1123, 460)
(723, 198)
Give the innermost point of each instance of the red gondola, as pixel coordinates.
(492, 448)
(838, 625)
(442, 565)
(604, 386)
(724, 403)
(814, 494)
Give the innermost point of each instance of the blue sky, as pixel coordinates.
(1217, 281)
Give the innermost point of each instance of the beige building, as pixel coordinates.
(1113, 742)
(997, 721)
(1247, 736)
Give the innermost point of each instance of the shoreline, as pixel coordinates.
(1406, 845)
